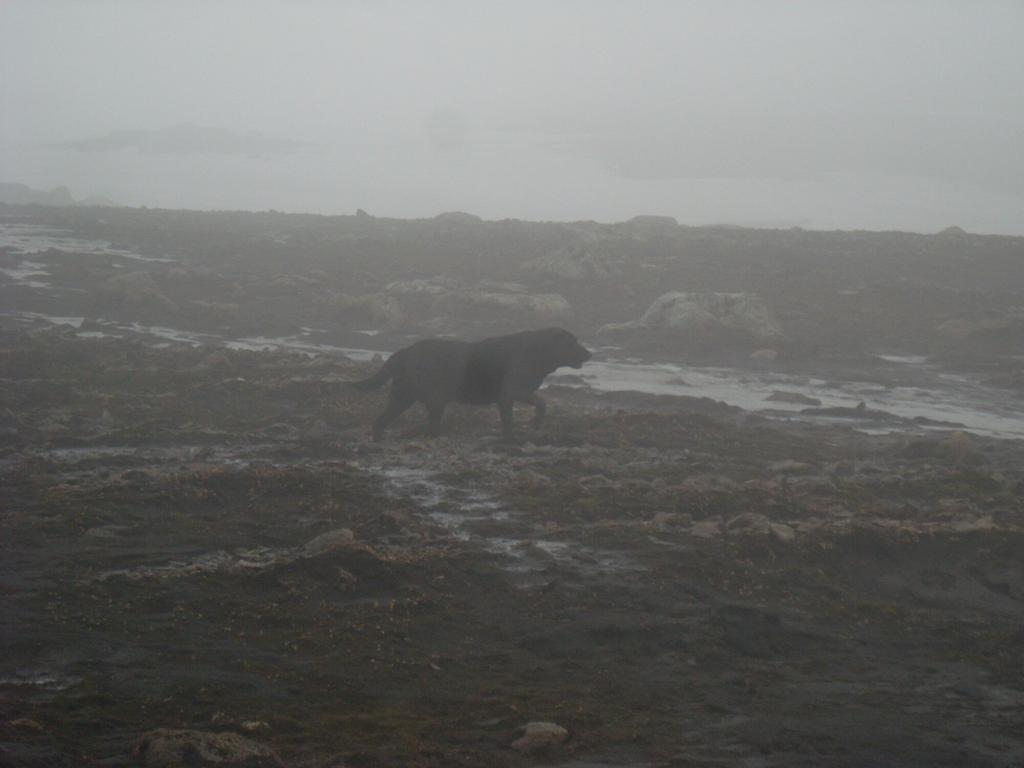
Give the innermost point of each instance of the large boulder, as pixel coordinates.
(458, 217)
(701, 314)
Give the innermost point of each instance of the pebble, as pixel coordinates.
(540, 735)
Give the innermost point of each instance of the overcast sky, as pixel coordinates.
(824, 114)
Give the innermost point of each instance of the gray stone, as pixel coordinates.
(706, 529)
(538, 735)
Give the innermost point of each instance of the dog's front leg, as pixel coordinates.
(505, 411)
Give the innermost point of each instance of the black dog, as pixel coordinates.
(502, 370)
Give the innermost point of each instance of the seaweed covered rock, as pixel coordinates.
(169, 748)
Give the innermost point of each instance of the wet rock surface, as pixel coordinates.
(187, 533)
(169, 748)
(198, 537)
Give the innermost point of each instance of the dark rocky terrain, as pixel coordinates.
(196, 533)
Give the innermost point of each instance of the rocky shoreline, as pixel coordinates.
(202, 553)
(200, 538)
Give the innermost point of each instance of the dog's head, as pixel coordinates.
(562, 348)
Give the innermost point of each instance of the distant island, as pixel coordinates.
(22, 194)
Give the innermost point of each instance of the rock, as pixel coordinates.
(968, 524)
(706, 313)
(650, 221)
(339, 538)
(167, 748)
(136, 289)
(782, 532)
(706, 529)
(764, 355)
(749, 522)
(573, 263)
(811, 524)
(254, 726)
(664, 519)
(596, 481)
(458, 217)
(537, 736)
(792, 397)
(373, 308)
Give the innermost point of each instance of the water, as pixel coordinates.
(35, 238)
(945, 397)
(24, 273)
(457, 510)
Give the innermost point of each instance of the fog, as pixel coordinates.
(822, 115)
(655, 397)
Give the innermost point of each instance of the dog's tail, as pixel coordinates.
(387, 372)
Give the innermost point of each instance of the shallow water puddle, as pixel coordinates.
(947, 397)
(24, 273)
(460, 510)
(39, 679)
(36, 238)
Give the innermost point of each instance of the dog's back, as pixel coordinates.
(433, 370)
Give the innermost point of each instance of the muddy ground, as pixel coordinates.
(195, 537)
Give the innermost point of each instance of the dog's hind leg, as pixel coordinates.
(539, 405)
(397, 405)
